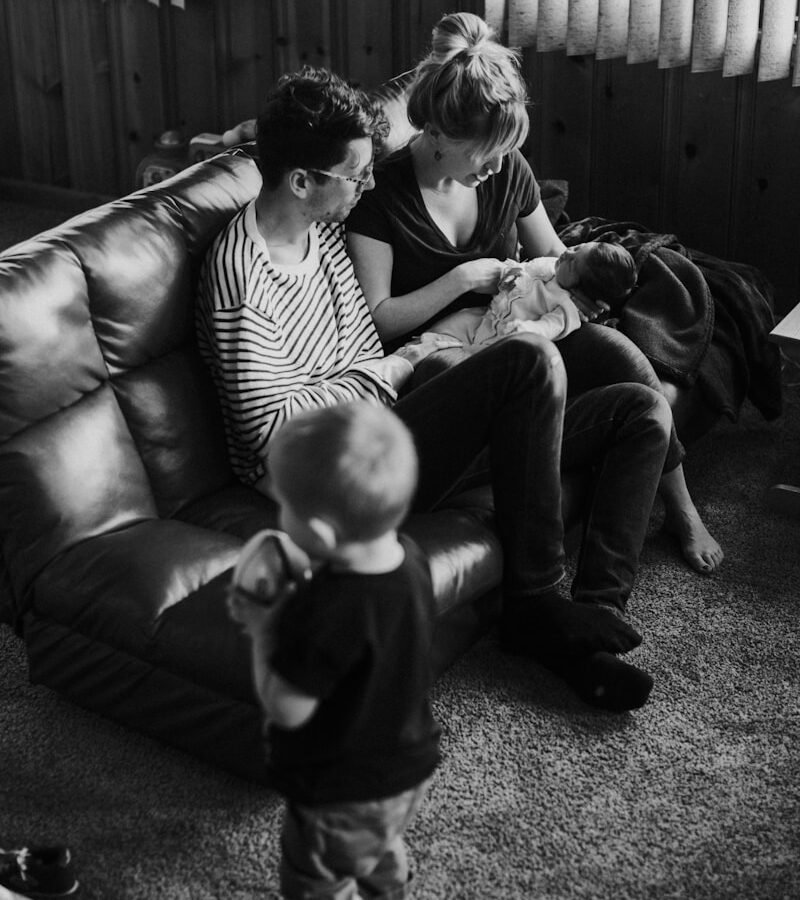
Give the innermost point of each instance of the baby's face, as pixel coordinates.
(571, 263)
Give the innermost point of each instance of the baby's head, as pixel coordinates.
(342, 474)
(603, 271)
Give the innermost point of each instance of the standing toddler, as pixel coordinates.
(342, 666)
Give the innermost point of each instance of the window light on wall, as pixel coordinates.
(734, 36)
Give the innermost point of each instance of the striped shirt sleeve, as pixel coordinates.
(279, 342)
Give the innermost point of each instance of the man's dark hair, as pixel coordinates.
(309, 118)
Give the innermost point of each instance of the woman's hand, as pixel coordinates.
(482, 276)
(588, 310)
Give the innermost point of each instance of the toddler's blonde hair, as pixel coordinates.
(353, 464)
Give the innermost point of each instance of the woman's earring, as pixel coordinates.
(437, 154)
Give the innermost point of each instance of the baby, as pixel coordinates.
(536, 296)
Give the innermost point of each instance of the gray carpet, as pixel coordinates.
(695, 796)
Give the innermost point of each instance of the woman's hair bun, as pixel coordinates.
(470, 87)
(459, 33)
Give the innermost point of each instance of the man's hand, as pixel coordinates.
(420, 347)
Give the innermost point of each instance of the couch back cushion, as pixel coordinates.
(107, 415)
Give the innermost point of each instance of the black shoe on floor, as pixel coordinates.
(38, 872)
(606, 682)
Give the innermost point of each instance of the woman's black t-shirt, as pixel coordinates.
(395, 213)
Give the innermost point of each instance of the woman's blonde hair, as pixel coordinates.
(470, 87)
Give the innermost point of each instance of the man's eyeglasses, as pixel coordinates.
(359, 181)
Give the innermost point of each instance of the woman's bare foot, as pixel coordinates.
(700, 550)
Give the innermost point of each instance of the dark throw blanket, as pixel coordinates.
(699, 320)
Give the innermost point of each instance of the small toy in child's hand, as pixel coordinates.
(269, 569)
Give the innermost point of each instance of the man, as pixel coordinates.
(284, 327)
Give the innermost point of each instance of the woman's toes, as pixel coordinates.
(699, 549)
(703, 554)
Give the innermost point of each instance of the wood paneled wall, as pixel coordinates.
(87, 85)
(713, 160)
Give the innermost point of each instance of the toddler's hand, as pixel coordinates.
(254, 617)
(270, 569)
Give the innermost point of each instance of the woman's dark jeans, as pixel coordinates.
(597, 355)
(512, 397)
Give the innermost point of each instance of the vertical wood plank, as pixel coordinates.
(86, 71)
(38, 89)
(672, 123)
(705, 172)
(405, 22)
(284, 36)
(245, 60)
(561, 116)
(369, 42)
(311, 32)
(338, 36)
(739, 222)
(534, 149)
(626, 172)
(195, 79)
(315, 44)
(770, 233)
(10, 143)
(137, 86)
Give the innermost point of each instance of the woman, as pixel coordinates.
(460, 199)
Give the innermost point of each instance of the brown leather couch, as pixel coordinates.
(120, 518)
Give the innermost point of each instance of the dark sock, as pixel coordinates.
(551, 627)
(604, 681)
